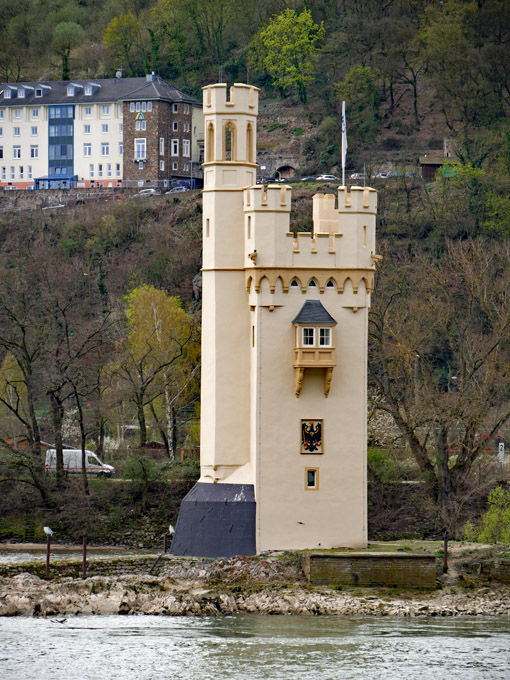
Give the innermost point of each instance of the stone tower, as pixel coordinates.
(284, 347)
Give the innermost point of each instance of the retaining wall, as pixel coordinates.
(371, 569)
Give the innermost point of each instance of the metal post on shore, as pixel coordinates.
(84, 562)
(444, 530)
(49, 534)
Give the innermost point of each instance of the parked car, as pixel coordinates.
(148, 192)
(327, 178)
(177, 190)
(72, 463)
(393, 174)
(358, 175)
(308, 179)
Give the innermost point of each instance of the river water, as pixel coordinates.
(254, 647)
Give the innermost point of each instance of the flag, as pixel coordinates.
(344, 142)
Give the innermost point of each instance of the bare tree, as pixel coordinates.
(440, 358)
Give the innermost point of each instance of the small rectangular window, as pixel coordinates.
(312, 479)
(132, 107)
(121, 128)
(149, 106)
(325, 337)
(17, 113)
(175, 147)
(100, 170)
(16, 131)
(106, 110)
(38, 92)
(308, 337)
(161, 165)
(161, 146)
(33, 131)
(1, 151)
(1, 132)
(117, 170)
(186, 147)
(21, 172)
(35, 113)
(88, 90)
(109, 170)
(104, 128)
(87, 149)
(88, 111)
(137, 107)
(105, 149)
(34, 151)
(121, 148)
(175, 166)
(4, 173)
(144, 106)
(16, 151)
(86, 129)
(29, 171)
(175, 126)
(175, 108)
(91, 170)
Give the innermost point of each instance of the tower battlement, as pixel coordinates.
(267, 198)
(357, 200)
(241, 99)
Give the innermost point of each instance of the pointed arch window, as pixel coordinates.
(210, 143)
(229, 142)
(249, 143)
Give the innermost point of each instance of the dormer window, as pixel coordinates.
(314, 343)
(21, 93)
(7, 94)
(88, 90)
(70, 91)
(38, 92)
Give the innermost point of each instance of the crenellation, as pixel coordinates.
(239, 98)
(357, 200)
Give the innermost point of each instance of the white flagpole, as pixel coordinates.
(344, 142)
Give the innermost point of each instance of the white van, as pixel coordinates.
(72, 463)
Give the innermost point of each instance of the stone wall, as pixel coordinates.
(497, 569)
(115, 566)
(33, 200)
(371, 569)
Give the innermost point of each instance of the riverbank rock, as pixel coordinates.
(238, 586)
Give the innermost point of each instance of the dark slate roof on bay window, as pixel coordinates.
(313, 312)
(104, 90)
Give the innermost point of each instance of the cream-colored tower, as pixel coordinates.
(284, 347)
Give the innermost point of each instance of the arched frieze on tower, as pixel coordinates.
(329, 278)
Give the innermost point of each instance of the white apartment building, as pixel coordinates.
(98, 133)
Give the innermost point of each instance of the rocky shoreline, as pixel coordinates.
(270, 586)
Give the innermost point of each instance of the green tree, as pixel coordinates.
(66, 36)
(158, 360)
(286, 49)
(361, 94)
(123, 37)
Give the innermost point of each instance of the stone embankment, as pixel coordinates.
(273, 585)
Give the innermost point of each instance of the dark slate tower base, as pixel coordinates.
(216, 520)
